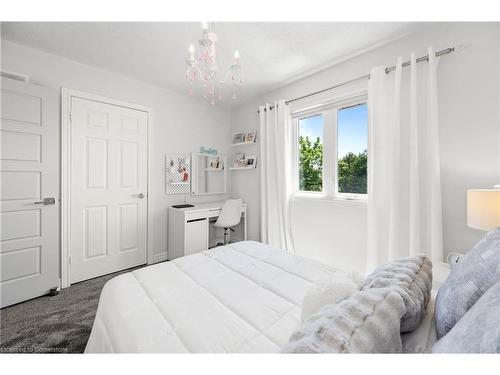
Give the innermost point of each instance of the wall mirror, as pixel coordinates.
(208, 174)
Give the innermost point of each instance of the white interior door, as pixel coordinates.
(29, 255)
(108, 188)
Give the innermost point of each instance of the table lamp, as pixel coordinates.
(483, 213)
(483, 208)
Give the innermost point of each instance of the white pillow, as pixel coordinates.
(327, 291)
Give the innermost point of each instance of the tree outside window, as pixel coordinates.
(310, 164)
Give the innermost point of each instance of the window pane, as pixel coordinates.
(352, 145)
(311, 153)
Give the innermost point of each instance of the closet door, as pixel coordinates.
(108, 188)
(29, 255)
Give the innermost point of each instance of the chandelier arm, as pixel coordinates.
(226, 76)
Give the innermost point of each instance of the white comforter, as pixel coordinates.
(245, 297)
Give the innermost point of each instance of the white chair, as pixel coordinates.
(230, 215)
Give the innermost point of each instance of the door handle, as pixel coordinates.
(140, 195)
(47, 201)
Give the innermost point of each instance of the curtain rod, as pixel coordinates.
(367, 76)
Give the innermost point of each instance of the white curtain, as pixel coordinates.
(276, 175)
(404, 206)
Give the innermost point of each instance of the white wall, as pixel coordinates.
(335, 231)
(332, 231)
(181, 124)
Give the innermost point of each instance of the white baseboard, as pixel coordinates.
(160, 257)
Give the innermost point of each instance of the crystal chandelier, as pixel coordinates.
(203, 67)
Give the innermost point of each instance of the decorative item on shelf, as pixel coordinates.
(251, 137)
(177, 174)
(215, 163)
(251, 162)
(242, 162)
(204, 67)
(238, 159)
(208, 151)
(239, 138)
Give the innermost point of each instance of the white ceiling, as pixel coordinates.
(272, 54)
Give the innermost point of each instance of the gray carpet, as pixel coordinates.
(58, 324)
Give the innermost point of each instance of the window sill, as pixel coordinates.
(329, 198)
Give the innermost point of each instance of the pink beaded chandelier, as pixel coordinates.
(203, 67)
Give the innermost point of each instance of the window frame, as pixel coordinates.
(328, 110)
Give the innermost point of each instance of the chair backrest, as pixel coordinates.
(230, 214)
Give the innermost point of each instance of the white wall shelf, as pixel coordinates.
(242, 144)
(239, 168)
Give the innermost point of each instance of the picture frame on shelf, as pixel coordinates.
(251, 136)
(250, 162)
(239, 158)
(239, 138)
(215, 163)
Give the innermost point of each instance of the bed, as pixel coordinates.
(244, 297)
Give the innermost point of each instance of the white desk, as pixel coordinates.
(189, 228)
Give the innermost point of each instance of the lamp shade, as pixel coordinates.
(483, 208)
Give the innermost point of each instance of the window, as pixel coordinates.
(332, 149)
(311, 153)
(352, 149)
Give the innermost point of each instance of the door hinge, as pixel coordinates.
(69, 259)
(70, 117)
